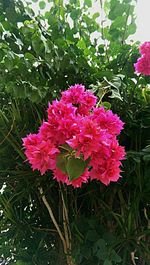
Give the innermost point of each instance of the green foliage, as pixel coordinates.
(39, 57)
(102, 242)
(42, 4)
(69, 164)
(75, 167)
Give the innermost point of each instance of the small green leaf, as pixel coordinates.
(115, 257)
(75, 167)
(75, 14)
(96, 15)
(116, 9)
(9, 64)
(107, 262)
(106, 105)
(42, 5)
(115, 94)
(92, 235)
(88, 3)
(131, 29)
(30, 57)
(61, 162)
(146, 157)
(38, 45)
(119, 22)
(100, 248)
(81, 44)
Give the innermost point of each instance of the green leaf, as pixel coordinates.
(131, 29)
(75, 14)
(107, 262)
(115, 82)
(61, 162)
(75, 167)
(30, 57)
(106, 105)
(119, 22)
(38, 45)
(88, 3)
(115, 257)
(1, 55)
(76, 2)
(96, 15)
(20, 262)
(116, 9)
(9, 64)
(81, 44)
(42, 4)
(146, 157)
(115, 94)
(100, 249)
(106, 34)
(92, 235)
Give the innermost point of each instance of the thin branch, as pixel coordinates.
(11, 128)
(126, 21)
(44, 229)
(133, 258)
(66, 220)
(53, 219)
(102, 30)
(66, 230)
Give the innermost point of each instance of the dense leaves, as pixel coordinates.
(40, 55)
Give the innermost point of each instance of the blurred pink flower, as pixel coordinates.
(142, 66)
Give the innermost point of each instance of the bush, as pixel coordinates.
(40, 56)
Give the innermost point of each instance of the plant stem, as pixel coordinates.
(66, 238)
(53, 219)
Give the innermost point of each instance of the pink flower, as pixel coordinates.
(105, 163)
(107, 172)
(90, 132)
(83, 100)
(61, 122)
(41, 154)
(74, 94)
(142, 66)
(145, 48)
(108, 121)
(88, 139)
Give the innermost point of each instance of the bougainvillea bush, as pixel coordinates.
(78, 141)
(60, 199)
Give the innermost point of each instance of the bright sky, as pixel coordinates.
(143, 18)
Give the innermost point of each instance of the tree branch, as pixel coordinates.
(53, 219)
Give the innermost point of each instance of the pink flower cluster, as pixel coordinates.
(89, 130)
(143, 64)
